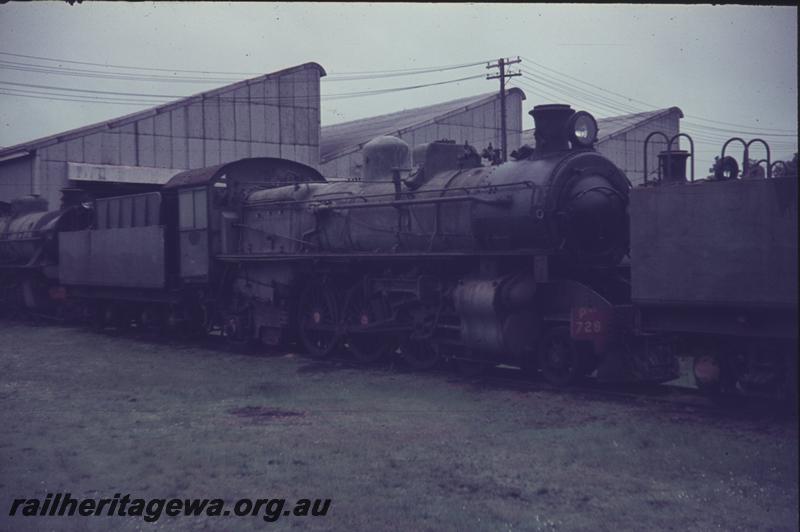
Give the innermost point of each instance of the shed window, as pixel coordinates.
(153, 208)
(139, 211)
(102, 215)
(126, 212)
(113, 214)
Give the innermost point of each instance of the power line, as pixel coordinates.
(59, 70)
(607, 103)
(712, 129)
(574, 94)
(699, 134)
(630, 99)
(96, 95)
(95, 74)
(154, 69)
(77, 99)
(599, 101)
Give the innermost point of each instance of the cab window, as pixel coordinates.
(193, 209)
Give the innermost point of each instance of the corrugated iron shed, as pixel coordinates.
(273, 115)
(474, 119)
(153, 111)
(338, 139)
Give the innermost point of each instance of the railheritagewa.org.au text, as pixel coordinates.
(153, 509)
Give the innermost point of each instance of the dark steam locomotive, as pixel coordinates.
(521, 263)
(29, 251)
(451, 259)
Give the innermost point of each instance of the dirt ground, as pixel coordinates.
(99, 414)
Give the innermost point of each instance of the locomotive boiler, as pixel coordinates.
(557, 198)
(511, 262)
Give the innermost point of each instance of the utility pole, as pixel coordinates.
(501, 64)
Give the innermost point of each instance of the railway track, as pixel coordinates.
(680, 398)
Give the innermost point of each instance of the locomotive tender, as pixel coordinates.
(714, 266)
(521, 263)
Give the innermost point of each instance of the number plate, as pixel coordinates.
(588, 323)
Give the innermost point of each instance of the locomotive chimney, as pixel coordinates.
(551, 131)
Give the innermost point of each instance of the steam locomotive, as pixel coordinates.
(521, 263)
(29, 252)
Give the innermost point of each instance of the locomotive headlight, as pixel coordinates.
(582, 128)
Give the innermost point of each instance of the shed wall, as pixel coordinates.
(278, 116)
(627, 149)
(478, 126)
(16, 178)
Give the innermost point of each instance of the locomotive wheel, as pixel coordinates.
(420, 355)
(529, 365)
(151, 318)
(98, 316)
(364, 314)
(197, 321)
(120, 318)
(558, 358)
(467, 362)
(174, 322)
(234, 330)
(318, 320)
(470, 368)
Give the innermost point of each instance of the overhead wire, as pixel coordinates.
(78, 100)
(649, 105)
(164, 98)
(551, 87)
(121, 76)
(714, 138)
(699, 132)
(594, 97)
(139, 76)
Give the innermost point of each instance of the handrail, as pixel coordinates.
(488, 188)
(766, 147)
(691, 146)
(501, 201)
(646, 142)
(746, 154)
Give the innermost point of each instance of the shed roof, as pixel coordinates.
(133, 117)
(616, 125)
(339, 139)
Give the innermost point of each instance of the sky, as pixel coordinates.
(732, 69)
